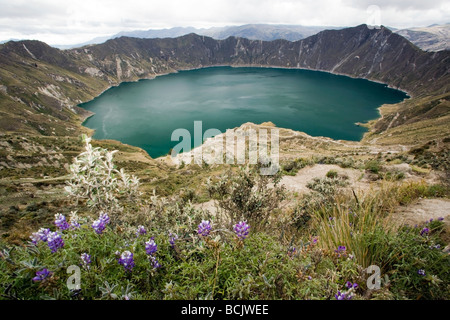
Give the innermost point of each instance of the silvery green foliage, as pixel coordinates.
(247, 195)
(171, 214)
(326, 186)
(94, 178)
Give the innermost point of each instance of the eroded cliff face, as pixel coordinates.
(40, 84)
(432, 38)
(376, 54)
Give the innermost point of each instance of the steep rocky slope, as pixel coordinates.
(40, 86)
(432, 38)
(376, 54)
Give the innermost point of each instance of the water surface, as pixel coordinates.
(145, 113)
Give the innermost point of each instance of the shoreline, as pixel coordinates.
(175, 71)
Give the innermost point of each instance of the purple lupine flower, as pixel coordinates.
(42, 275)
(104, 217)
(35, 238)
(41, 235)
(127, 261)
(424, 231)
(100, 224)
(343, 296)
(172, 238)
(60, 222)
(441, 219)
(341, 249)
(292, 251)
(55, 241)
(241, 230)
(350, 285)
(314, 240)
(339, 296)
(151, 247)
(204, 228)
(155, 263)
(421, 272)
(74, 224)
(86, 258)
(141, 231)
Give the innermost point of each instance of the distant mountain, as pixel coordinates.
(79, 45)
(265, 32)
(160, 33)
(431, 38)
(5, 41)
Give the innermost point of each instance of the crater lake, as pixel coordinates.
(145, 113)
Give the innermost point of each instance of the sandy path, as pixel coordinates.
(424, 210)
(298, 182)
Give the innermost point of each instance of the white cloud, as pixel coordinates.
(74, 21)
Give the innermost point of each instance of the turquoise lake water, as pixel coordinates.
(145, 113)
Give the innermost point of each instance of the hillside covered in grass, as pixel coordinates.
(262, 241)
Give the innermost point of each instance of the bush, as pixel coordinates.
(292, 167)
(327, 185)
(248, 195)
(216, 266)
(94, 178)
(404, 253)
(332, 174)
(394, 175)
(373, 166)
(408, 192)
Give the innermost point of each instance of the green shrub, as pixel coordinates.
(212, 267)
(326, 186)
(292, 167)
(394, 175)
(332, 174)
(247, 195)
(404, 253)
(373, 166)
(94, 178)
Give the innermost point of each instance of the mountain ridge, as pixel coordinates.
(431, 38)
(40, 80)
(265, 32)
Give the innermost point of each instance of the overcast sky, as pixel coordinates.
(76, 21)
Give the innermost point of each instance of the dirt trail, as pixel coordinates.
(417, 213)
(424, 210)
(298, 182)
